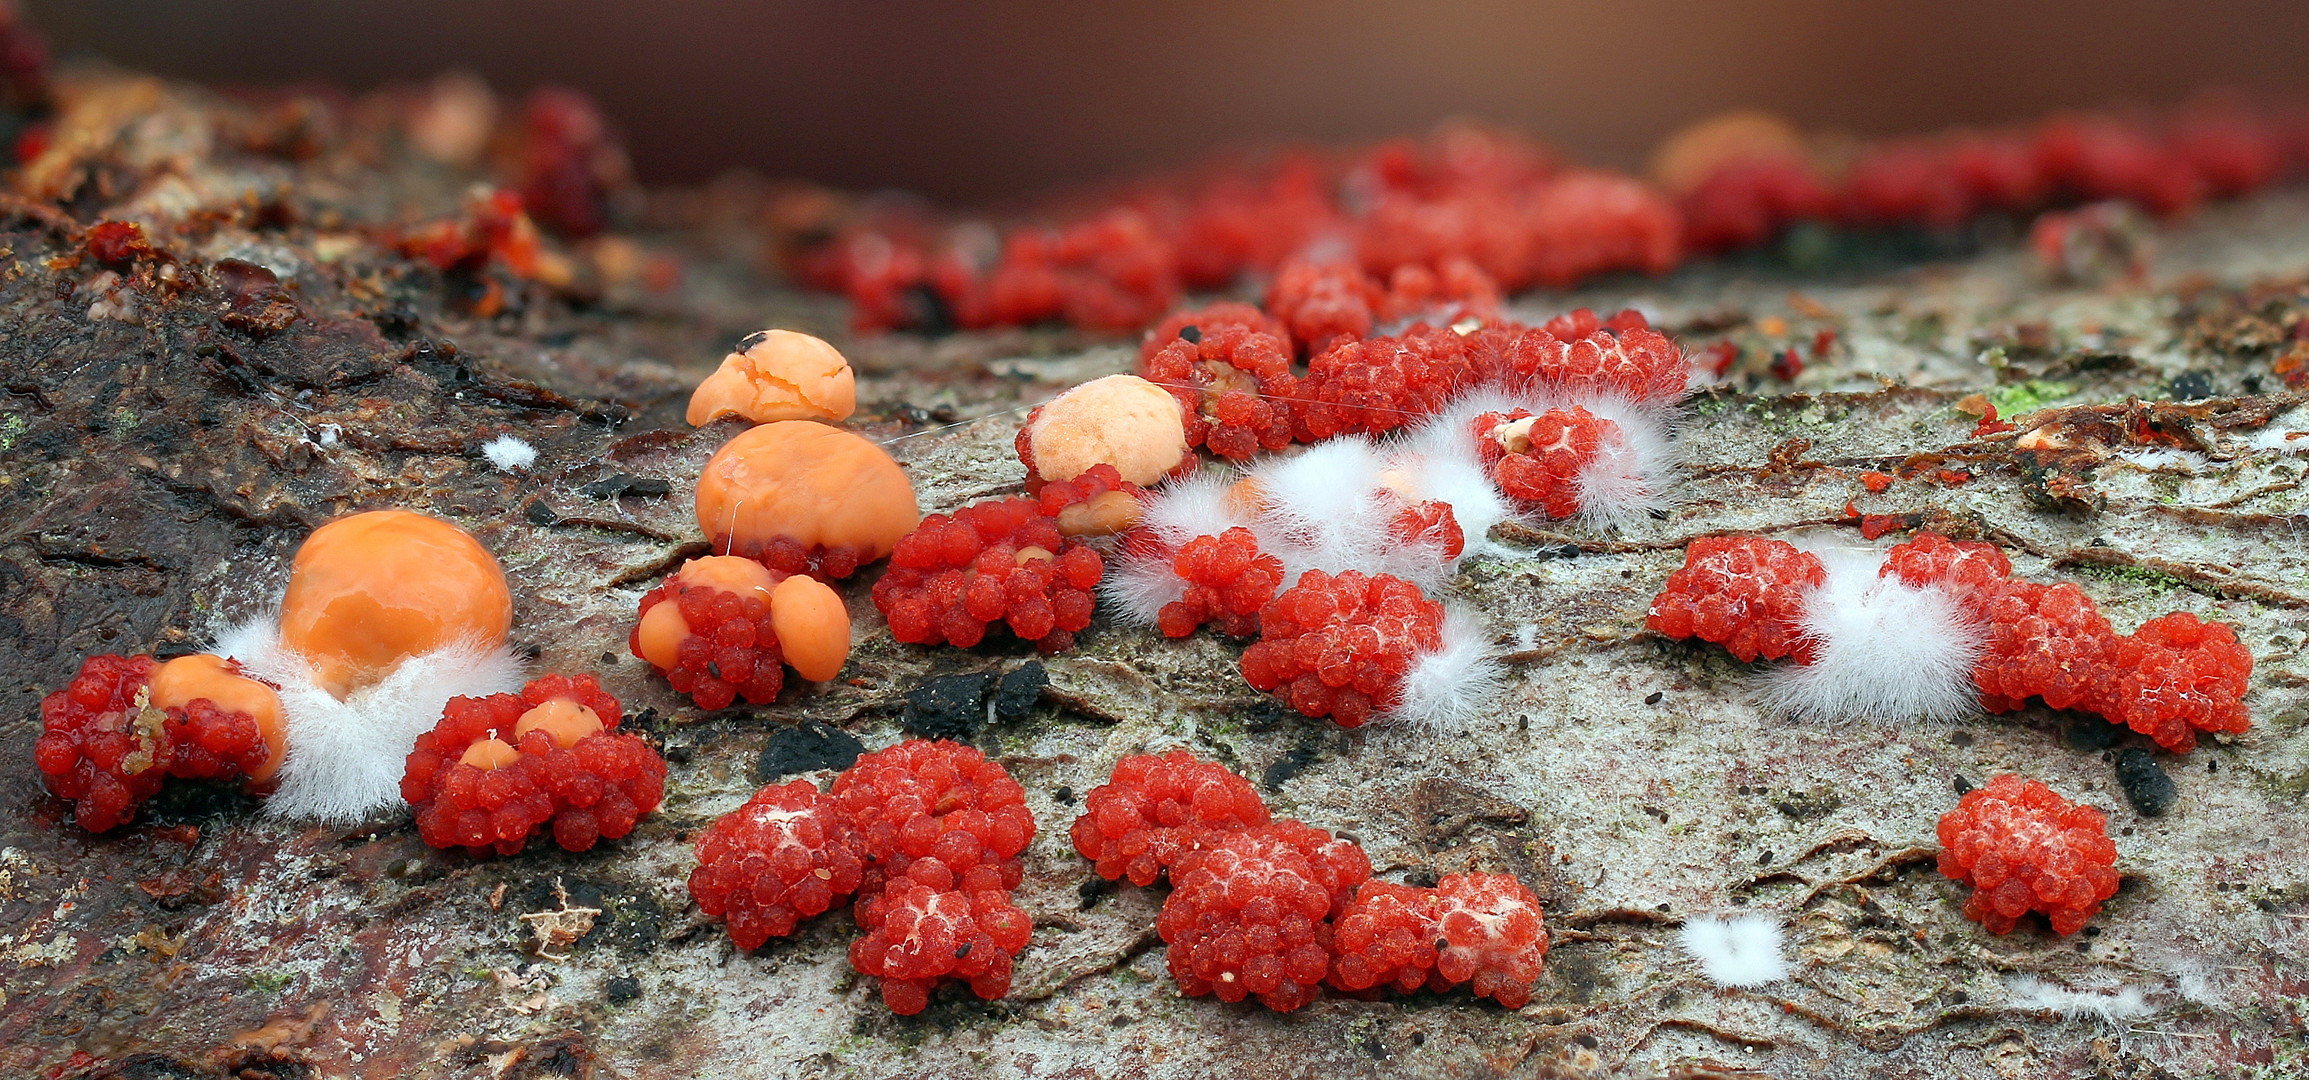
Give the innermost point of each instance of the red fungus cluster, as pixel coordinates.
(2173, 679)
(1015, 561)
(107, 746)
(1276, 909)
(1537, 460)
(927, 834)
(1339, 646)
(1230, 369)
(497, 768)
(2023, 848)
(1479, 928)
(1414, 227)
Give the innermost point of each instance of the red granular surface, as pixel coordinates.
(1248, 916)
(2024, 848)
(1587, 223)
(1324, 304)
(2046, 641)
(2179, 676)
(1875, 482)
(732, 649)
(1491, 932)
(1385, 938)
(1538, 464)
(1430, 523)
(596, 789)
(1002, 560)
(938, 813)
(1742, 592)
(1340, 646)
(1233, 384)
(784, 856)
(205, 742)
(1974, 572)
(106, 750)
(1748, 202)
(917, 934)
(98, 746)
(785, 556)
(1619, 357)
(1377, 385)
(1155, 809)
(1227, 580)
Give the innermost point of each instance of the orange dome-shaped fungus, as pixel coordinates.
(490, 754)
(777, 375)
(1120, 420)
(370, 590)
(561, 719)
(805, 498)
(662, 626)
(187, 679)
(1687, 157)
(813, 627)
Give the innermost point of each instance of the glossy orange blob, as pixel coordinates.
(663, 628)
(661, 632)
(487, 754)
(812, 484)
(187, 679)
(813, 627)
(371, 590)
(564, 720)
(1120, 420)
(777, 375)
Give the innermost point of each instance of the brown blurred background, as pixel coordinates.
(976, 102)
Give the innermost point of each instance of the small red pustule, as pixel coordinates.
(942, 828)
(1232, 380)
(1339, 646)
(710, 629)
(940, 803)
(917, 934)
(1429, 524)
(1155, 809)
(1228, 580)
(2024, 848)
(2177, 677)
(1484, 928)
(111, 738)
(1376, 385)
(1537, 459)
(1324, 304)
(785, 856)
(1742, 592)
(1249, 915)
(1016, 561)
(116, 245)
(2047, 641)
(497, 768)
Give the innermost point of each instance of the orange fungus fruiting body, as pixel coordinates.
(370, 590)
(1120, 420)
(794, 489)
(777, 375)
(562, 720)
(662, 627)
(187, 679)
(813, 627)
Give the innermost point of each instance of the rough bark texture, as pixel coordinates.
(166, 444)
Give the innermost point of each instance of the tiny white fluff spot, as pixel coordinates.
(2286, 433)
(509, 454)
(329, 434)
(1743, 950)
(2037, 995)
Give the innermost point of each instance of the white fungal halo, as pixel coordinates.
(1743, 950)
(1140, 580)
(1881, 649)
(1445, 689)
(345, 758)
